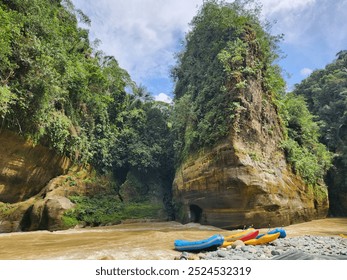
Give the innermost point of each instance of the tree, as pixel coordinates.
(309, 158)
(58, 91)
(325, 91)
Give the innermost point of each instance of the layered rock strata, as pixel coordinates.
(245, 179)
(29, 177)
(26, 168)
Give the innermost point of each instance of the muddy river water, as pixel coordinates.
(141, 241)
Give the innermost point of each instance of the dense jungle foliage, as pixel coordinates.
(226, 48)
(325, 91)
(57, 89)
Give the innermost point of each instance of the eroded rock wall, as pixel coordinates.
(245, 180)
(24, 168)
(29, 177)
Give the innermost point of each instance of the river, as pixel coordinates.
(132, 241)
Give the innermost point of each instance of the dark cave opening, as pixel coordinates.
(195, 213)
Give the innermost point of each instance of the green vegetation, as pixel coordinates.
(108, 209)
(226, 49)
(325, 91)
(57, 89)
(308, 157)
(6, 209)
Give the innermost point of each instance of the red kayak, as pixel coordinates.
(248, 236)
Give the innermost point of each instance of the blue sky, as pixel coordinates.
(144, 35)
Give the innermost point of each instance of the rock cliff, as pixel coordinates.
(29, 177)
(245, 180)
(24, 168)
(36, 183)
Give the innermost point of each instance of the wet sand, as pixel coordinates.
(138, 241)
(324, 227)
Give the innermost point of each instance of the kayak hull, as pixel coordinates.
(250, 235)
(238, 235)
(199, 245)
(267, 238)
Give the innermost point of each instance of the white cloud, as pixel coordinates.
(285, 6)
(306, 72)
(314, 31)
(143, 35)
(303, 22)
(163, 97)
(331, 23)
(293, 17)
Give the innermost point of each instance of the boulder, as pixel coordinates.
(53, 211)
(8, 226)
(46, 214)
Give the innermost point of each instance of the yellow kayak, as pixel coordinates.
(250, 235)
(343, 235)
(238, 235)
(263, 239)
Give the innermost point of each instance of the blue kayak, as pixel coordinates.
(206, 244)
(282, 232)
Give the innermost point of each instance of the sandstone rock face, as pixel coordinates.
(43, 211)
(245, 180)
(25, 169)
(29, 178)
